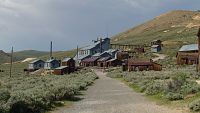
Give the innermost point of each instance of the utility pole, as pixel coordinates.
(11, 62)
(77, 56)
(51, 49)
(198, 67)
(101, 48)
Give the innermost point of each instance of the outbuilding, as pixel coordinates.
(114, 62)
(70, 62)
(188, 54)
(61, 70)
(92, 61)
(143, 65)
(102, 61)
(51, 64)
(156, 48)
(36, 64)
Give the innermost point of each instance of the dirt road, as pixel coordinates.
(111, 96)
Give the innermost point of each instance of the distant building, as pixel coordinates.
(36, 64)
(61, 70)
(70, 62)
(156, 48)
(102, 61)
(188, 54)
(97, 46)
(51, 64)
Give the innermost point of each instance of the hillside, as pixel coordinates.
(21, 55)
(4, 57)
(175, 28)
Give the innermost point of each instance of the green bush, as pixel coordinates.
(154, 88)
(195, 105)
(174, 96)
(35, 94)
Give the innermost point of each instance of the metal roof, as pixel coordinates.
(191, 47)
(94, 45)
(91, 59)
(36, 61)
(104, 59)
(51, 60)
(62, 67)
(66, 59)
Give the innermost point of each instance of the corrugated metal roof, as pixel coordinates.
(51, 60)
(66, 59)
(104, 59)
(62, 67)
(191, 47)
(35, 61)
(91, 59)
(112, 60)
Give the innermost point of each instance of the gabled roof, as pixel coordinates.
(104, 59)
(81, 57)
(191, 47)
(93, 45)
(66, 59)
(51, 60)
(35, 61)
(91, 59)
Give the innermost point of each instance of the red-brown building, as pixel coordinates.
(61, 70)
(70, 62)
(102, 61)
(188, 55)
(142, 65)
(92, 61)
(114, 62)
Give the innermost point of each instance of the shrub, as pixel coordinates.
(195, 105)
(154, 88)
(173, 96)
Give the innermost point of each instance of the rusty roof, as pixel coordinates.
(103, 59)
(91, 59)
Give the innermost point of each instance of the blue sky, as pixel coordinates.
(32, 24)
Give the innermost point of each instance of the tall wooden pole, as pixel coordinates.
(198, 69)
(11, 62)
(77, 55)
(51, 49)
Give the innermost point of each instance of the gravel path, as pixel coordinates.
(111, 96)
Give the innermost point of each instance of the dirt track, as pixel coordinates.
(111, 96)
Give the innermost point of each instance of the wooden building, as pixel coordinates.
(122, 55)
(102, 61)
(139, 50)
(52, 64)
(61, 70)
(70, 62)
(188, 55)
(143, 65)
(89, 62)
(36, 64)
(156, 48)
(156, 42)
(114, 62)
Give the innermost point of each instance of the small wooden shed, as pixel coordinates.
(102, 61)
(114, 62)
(89, 62)
(122, 55)
(36, 64)
(61, 70)
(142, 65)
(156, 48)
(188, 55)
(70, 62)
(52, 64)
